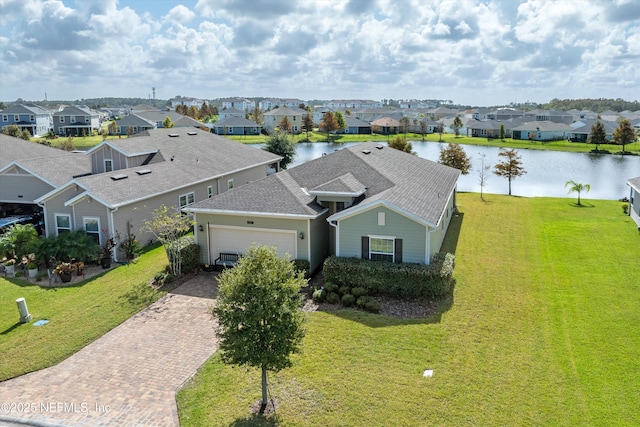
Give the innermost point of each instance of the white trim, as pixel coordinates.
(363, 207)
(209, 191)
(84, 226)
(261, 229)
(253, 214)
(393, 245)
(55, 218)
(230, 184)
(186, 196)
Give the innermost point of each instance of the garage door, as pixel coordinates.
(238, 239)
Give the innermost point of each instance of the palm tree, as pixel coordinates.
(578, 188)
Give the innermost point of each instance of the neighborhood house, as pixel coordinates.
(366, 201)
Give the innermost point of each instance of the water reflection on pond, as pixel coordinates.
(547, 171)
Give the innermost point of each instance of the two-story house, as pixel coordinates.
(31, 117)
(75, 121)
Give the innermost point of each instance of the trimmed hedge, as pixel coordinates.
(397, 280)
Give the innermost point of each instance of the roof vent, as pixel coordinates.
(119, 177)
(379, 147)
(143, 171)
(366, 151)
(174, 135)
(192, 133)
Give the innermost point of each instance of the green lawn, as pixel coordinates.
(77, 314)
(543, 330)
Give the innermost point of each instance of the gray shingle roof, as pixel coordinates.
(51, 164)
(190, 157)
(635, 183)
(413, 184)
(346, 183)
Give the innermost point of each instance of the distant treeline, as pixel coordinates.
(596, 105)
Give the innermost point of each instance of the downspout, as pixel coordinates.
(428, 254)
(337, 239)
(75, 222)
(112, 228)
(208, 246)
(46, 219)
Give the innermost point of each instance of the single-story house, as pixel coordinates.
(366, 201)
(541, 131)
(131, 177)
(356, 126)
(634, 199)
(234, 125)
(385, 125)
(133, 124)
(582, 129)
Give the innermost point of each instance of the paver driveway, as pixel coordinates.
(129, 376)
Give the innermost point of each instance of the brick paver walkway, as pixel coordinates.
(128, 377)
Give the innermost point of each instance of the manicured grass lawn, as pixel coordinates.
(79, 142)
(77, 314)
(543, 330)
(564, 145)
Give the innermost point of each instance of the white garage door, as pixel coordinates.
(238, 239)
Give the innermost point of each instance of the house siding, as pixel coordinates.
(437, 235)
(98, 157)
(55, 205)
(22, 188)
(299, 225)
(634, 206)
(413, 234)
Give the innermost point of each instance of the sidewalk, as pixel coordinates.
(129, 376)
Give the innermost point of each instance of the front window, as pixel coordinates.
(230, 184)
(5, 118)
(87, 119)
(209, 191)
(108, 165)
(31, 118)
(92, 227)
(61, 119)
(16, 118)
(381, 249)
(63, 223)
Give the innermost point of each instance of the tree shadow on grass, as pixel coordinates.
(257, 420)
(582, 205)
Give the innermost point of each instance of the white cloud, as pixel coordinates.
(471, 51)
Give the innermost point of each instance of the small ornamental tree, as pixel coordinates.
(260, 323)
(576, 187)
(483, 174)
(167, 122)
(342, 123)
(329, 124)
(453, 155)
(400, 143)
(624, 133)
(307, 124)
(457, 125)
(502, 131)
(598, 135)
(511, 167)
(168, 225)
(285, 125)
(282, 144)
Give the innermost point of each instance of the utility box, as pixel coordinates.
(24, 311)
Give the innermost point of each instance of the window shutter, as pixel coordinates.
(365, 247)
(398, 250)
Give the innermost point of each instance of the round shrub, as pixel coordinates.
(333, 298)
(359, 291)
(363, 300)
(319, 295)
(348, 300)
(344, 290)
(330, 287)
(372, 306)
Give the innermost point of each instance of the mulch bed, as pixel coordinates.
(392, 307)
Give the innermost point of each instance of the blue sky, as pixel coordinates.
(477, 52)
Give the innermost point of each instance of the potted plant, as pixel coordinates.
(32, 267)
(80, 268)
(106, 252)
(64, 270)
(10, 266)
